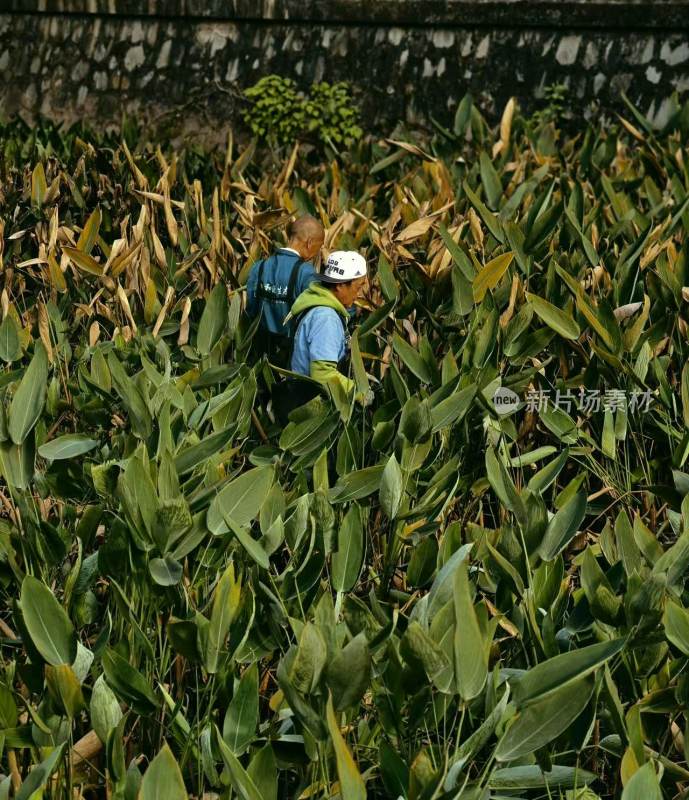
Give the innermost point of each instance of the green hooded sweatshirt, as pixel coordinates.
(323, 371)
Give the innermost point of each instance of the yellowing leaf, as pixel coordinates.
(90, 232)
(57, 277)
(592, 318)
(505, 128)
(352, 786)
(83, 261)
(39, 187)
(489, 277)
(416, 230)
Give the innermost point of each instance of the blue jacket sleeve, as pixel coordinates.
(307, 276)
(251, 286)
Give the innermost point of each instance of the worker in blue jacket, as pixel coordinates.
(275, 282)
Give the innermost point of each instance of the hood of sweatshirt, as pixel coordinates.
(317, 295)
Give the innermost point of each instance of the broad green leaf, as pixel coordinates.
(357, 485)
(17, 462)
(8, 708)
(310, 659)
(563, 526)
(241, 500)
(544, 721)
(165, 571)
(543, 226)
(391, 488)
(554, 318)
(503, 486)
(349, 555)
(104, 709)
(348, 673)
(532, 776)
(474, 743)
(128, 683)
(463, 114)
(70, 445)
(595, 319)
(40, 774)
(47, 623)
(308, 435)
(352, 786)
(213, 320)
(199, 453)
(418, 646)
(626, 545)
(525, 459)
(676, 622)
(241, 718)
(415, 420)
(685, 394)
(471, 661)
(263, 770)
(452, 410)
(10, 349)
(461, 259)
(132, 399)
(303, 710)
(163, 778)
(562, 670)
(547, 474)
(100, 372)
(643, 785)
(393, 770)
(491, 181)
(490, 275)
(491, 220)
(240, 779)
(559, 422)
(226, 600)
(251, 545)
(360, 377)
(423, 562)
(586, 243)
(387, 280)
(28, 401)
(412, 358)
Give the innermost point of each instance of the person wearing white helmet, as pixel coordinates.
(322, 314)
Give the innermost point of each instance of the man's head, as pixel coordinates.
(306, 236)
(345, 275)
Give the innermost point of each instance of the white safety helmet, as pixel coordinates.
(343, 266)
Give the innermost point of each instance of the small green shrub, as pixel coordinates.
(280, 114)
(556, 97)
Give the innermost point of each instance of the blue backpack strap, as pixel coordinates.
(260, 288)
(291, 290)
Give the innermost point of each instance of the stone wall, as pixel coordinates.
(184, 62)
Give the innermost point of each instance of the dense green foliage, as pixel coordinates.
(421, 599)
(280, 114)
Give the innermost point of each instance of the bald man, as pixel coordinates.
(275, 282)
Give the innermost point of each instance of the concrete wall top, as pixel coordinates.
(572, 14)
